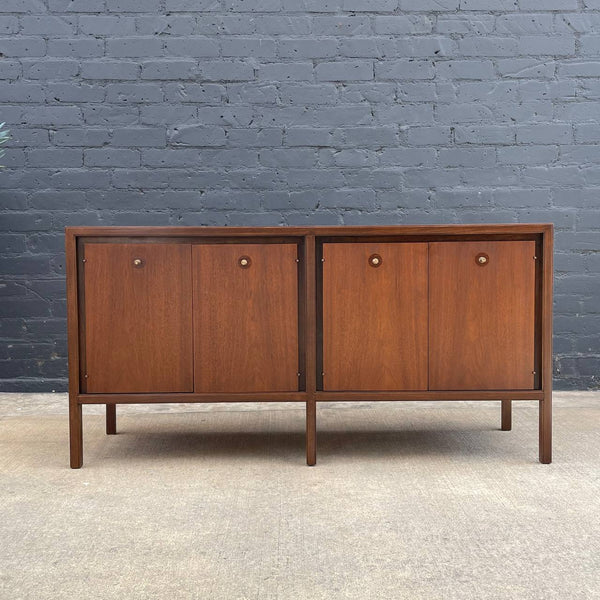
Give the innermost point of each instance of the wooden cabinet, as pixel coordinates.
(316, 314)
(374, 316)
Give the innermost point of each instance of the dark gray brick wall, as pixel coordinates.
(293, 112)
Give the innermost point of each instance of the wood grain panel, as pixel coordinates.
(246, 319)
(138, 320)
(482, 318)
(375, 318)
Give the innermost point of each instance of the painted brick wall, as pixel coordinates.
(292, 112)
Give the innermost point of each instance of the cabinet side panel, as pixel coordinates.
(246, 317)
(482, 316)
(374, 317)
(138, 318)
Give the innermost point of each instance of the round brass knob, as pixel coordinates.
(482, 259)
(244, 262)
(137, 262)
(375, 260)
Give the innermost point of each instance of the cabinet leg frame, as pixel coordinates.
(311, 432)
(76, 434)
(545, 427)
(111, 419)
(506, 415)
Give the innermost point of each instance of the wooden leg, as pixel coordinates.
(506, 415)
(546, 429)
(311, 432)
(111, 419)
(76, 434)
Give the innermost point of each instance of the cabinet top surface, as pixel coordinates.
(339, 230)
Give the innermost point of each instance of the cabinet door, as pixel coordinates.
(138, 318)
(482, 314)
(374, 316)
(246, 317)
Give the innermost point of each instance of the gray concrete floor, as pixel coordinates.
(408, 500)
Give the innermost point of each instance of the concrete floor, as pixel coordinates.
(413, 500)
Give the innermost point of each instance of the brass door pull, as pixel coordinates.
(375, 260)
(138, 263)
(482, 259)
(244, 262)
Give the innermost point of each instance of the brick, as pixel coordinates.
(252, 5)
(227, 71)
(22, 46)
(110, 70)
(546, 133)
(133, 93)
(286, 72)
(160, 115)
(526, 68)
(464, 22)
(279, 25)
(140, 137)
(50, 69)
(580, 69)
(197, 135)
(111, 157)
(404, 69)
(307, 48)
(551, 45)
(406, 24)
(193, 5)
(22, 92)
(560, 5)
(467, 157)
(243, 47)
(55, 157)
(429, 136)
(344, 71)
(256, 138)
(106, 26)
(308, 94)
(209, 93)
(132, 5)
(192, 46)
(408, 157)
(77, 6)
(81, 48)
(29, 221)
(497, 135)
(364, 137)
(65, 92)
(429, 5)
(87, 137)
(465, 69)
(525, 23)
(52, 115)
(488, 46)
(341, 25)
(134, 47)
(528, 155)
(305, 136)
(169, 69)
(10, 69)
(47, 25)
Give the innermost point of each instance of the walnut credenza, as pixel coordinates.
(309, 314)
